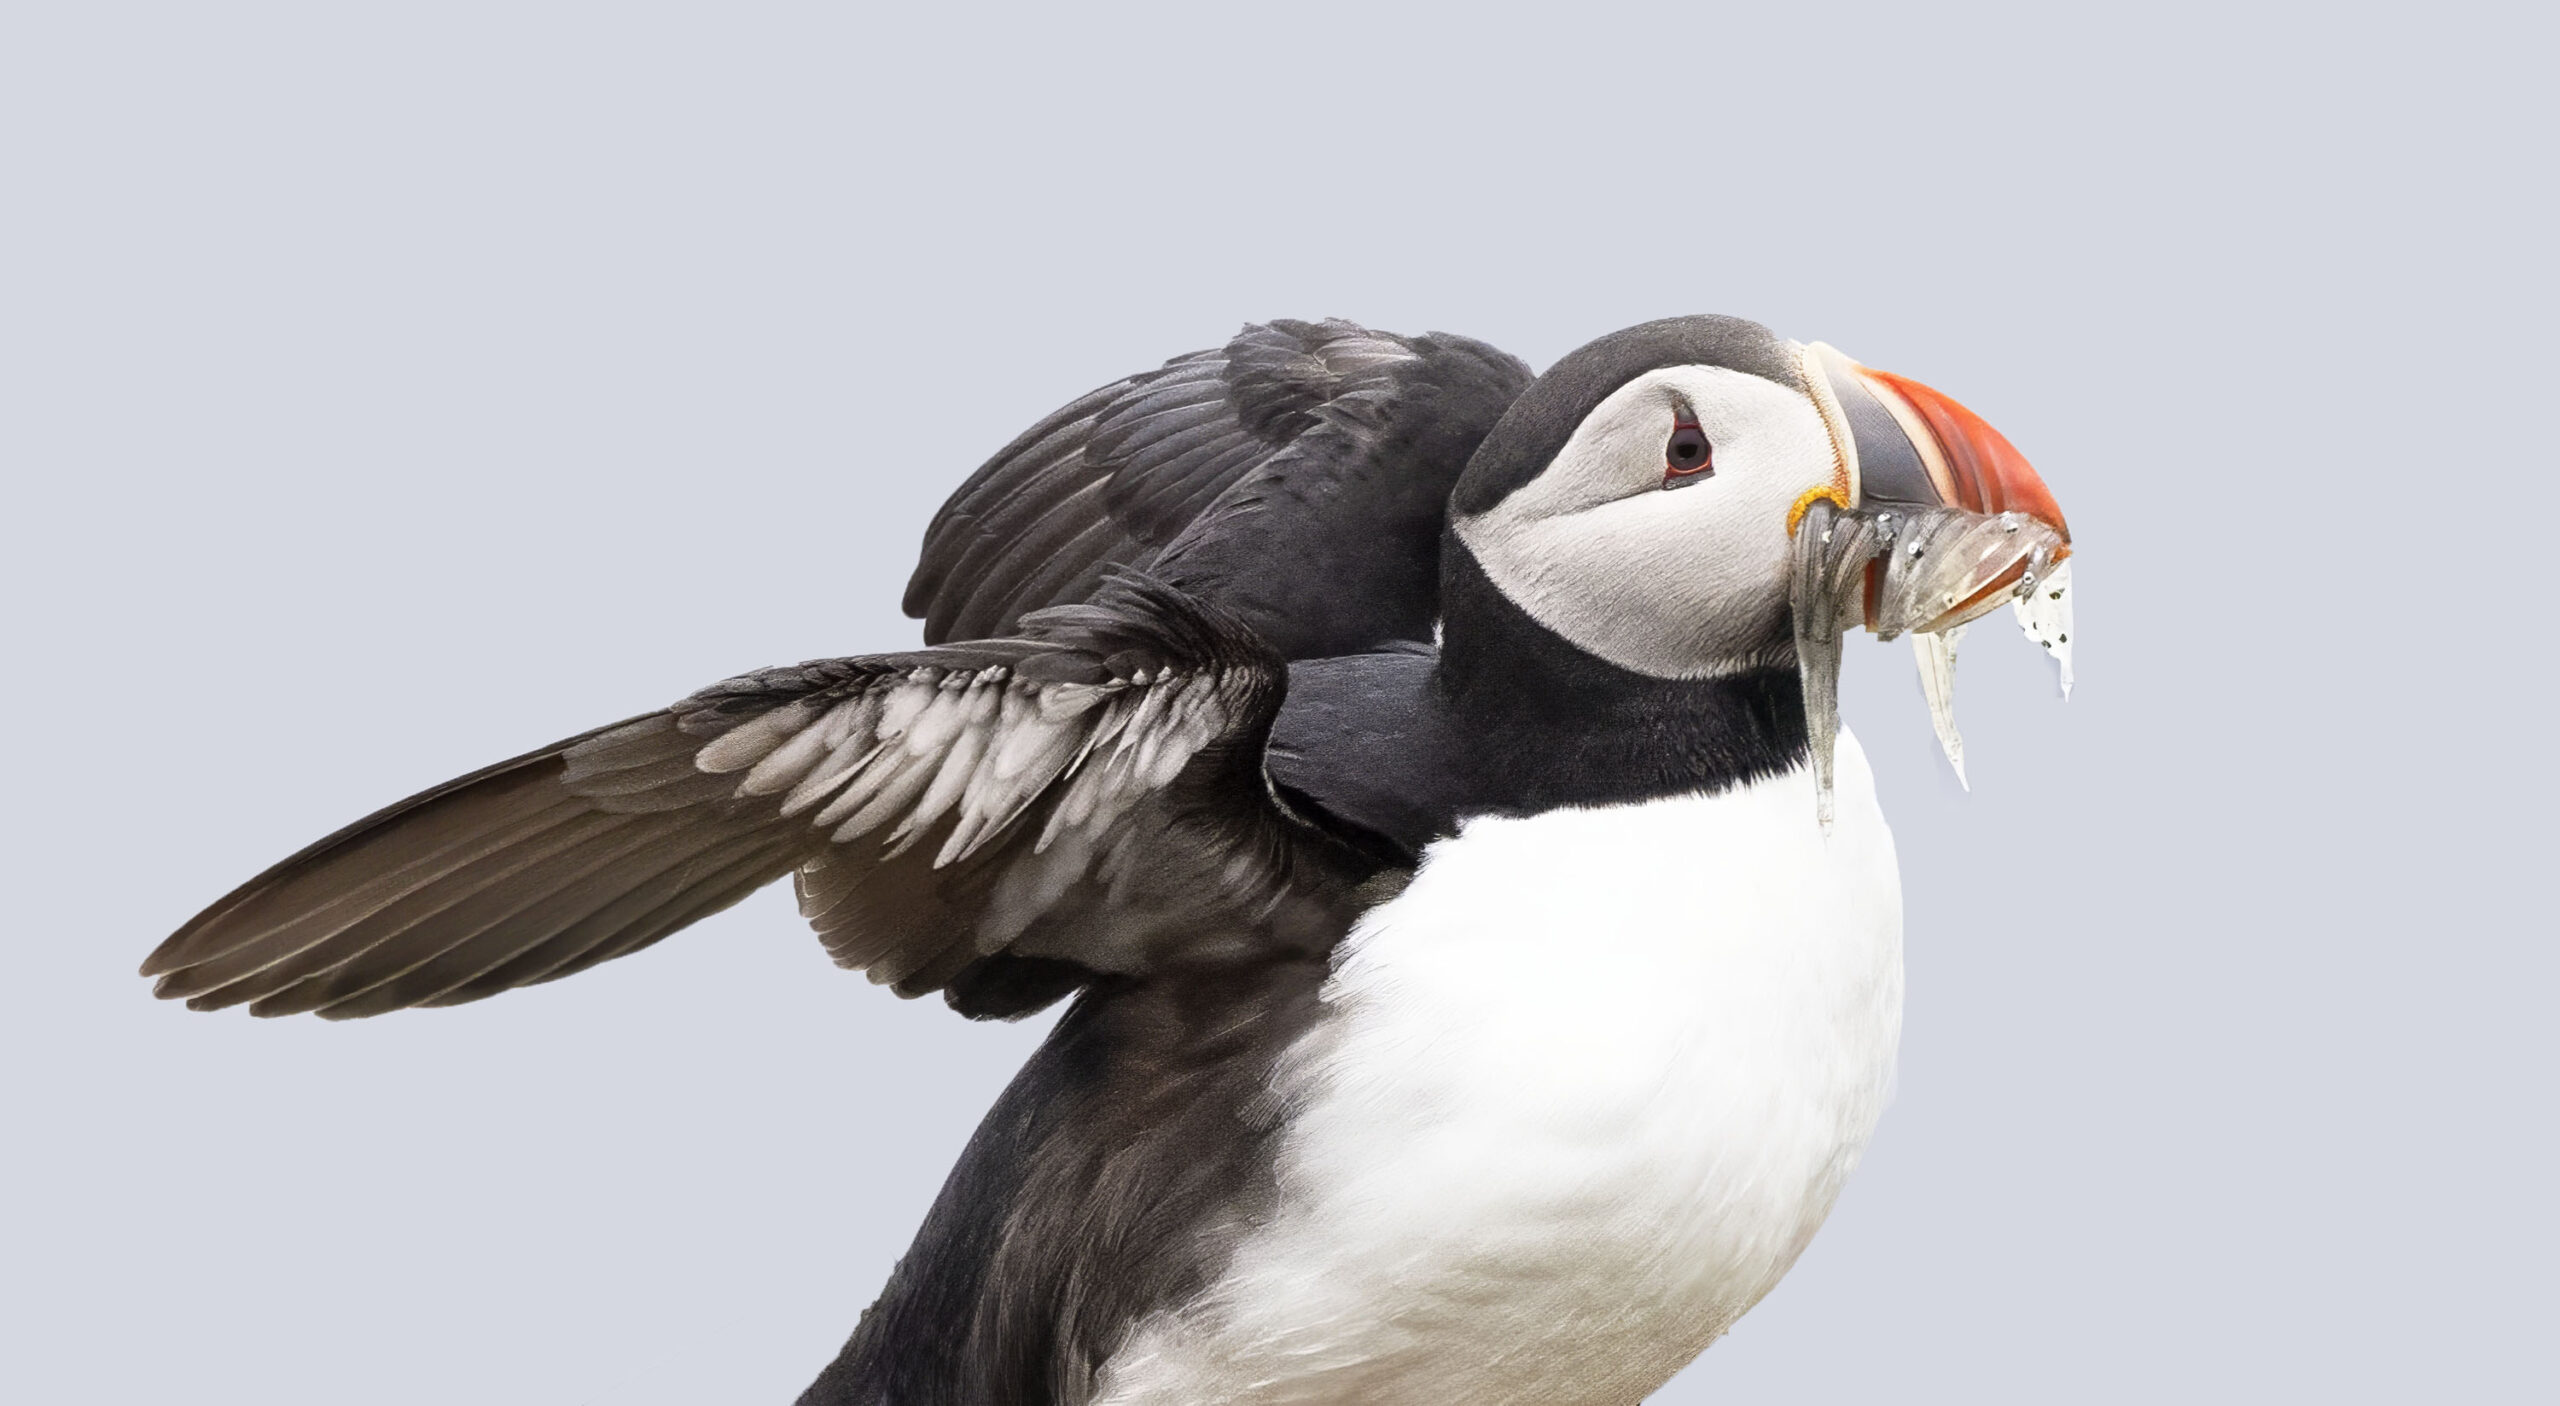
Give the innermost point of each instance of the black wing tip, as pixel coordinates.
(175, 966)
(263, 1002)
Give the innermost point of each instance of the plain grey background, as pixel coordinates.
(387, 389)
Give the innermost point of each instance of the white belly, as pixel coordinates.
(1582, 1094)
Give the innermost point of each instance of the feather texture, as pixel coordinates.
(1296, 477)
(936, 806)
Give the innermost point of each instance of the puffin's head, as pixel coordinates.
(1698, 497)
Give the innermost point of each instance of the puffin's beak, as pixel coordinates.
(1969, 464)
(1932, 519)
(1958, 516)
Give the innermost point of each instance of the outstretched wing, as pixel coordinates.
(1002, 821)
(1297, 478)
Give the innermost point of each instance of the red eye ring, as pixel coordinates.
(1687, 456)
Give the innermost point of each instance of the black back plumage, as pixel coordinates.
(1297, 477)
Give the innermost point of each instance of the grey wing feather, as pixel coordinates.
(1297, 477)
(1001, 820)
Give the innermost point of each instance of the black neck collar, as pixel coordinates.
(1561, 726)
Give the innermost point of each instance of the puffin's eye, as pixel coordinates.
(1688, 457)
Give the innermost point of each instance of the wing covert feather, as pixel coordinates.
(1000, 820)
(1297, 477)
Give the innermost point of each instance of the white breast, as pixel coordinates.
(1582, 1094)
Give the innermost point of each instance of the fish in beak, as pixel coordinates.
(1931, 520)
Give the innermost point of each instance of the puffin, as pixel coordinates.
(1421, 778)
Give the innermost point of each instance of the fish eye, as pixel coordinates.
(1688, 457)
